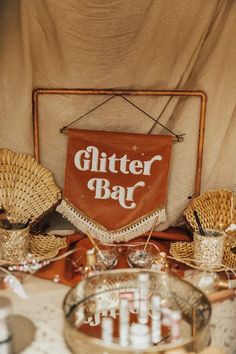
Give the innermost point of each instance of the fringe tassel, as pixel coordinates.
(87, 226)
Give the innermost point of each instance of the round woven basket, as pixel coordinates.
(27, 189)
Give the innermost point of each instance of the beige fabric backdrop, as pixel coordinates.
(133, 44)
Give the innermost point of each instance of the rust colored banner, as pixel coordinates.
(115, 179)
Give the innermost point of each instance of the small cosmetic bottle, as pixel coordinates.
(143, 286)
(124, 322)
(156, 319)
(139, 337)
(175, 325)
(107, 330)
(90, 267)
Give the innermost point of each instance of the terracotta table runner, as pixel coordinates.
(67, 270)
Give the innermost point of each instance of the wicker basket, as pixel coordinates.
(216, 210)
(27, 190)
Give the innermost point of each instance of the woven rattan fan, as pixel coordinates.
(27, 189)
(216, 210)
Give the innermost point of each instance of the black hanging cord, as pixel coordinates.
(178, 136)
(160, 114)
(85, 114)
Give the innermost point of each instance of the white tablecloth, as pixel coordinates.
(44, 307)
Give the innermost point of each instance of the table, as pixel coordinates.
(44, 307)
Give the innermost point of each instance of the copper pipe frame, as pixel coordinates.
(175, 93)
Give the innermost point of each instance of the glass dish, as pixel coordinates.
(108, 256)
(139, 258)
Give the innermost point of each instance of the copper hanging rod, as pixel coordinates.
(120, 92)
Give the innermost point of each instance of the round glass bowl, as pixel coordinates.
(138, 257)
(107, 257)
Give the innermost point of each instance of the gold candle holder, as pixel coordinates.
(208, 251)
(14, 244)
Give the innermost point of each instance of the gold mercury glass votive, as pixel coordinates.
(208, 251)
(14, 244)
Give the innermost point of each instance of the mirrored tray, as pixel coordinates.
(86, 304)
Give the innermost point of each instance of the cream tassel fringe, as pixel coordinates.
(100, 233)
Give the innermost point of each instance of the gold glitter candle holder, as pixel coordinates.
(14, 244)
(208, 251)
